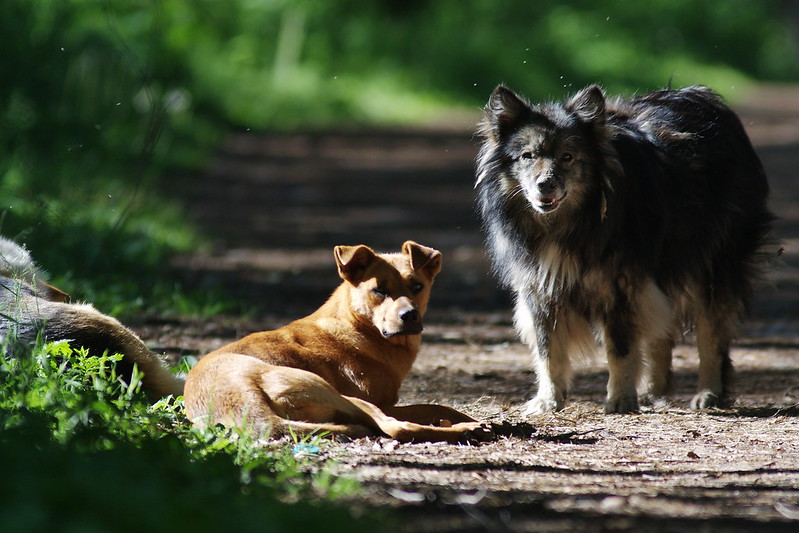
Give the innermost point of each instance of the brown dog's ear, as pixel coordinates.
(423, 258)
(352, 261)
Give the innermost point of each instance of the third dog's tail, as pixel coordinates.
(88, 328)
(81, 323)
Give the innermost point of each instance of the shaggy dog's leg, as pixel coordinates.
(553, 371)
(624, 363)
(551, 341)
(657, 319)
(713, 338)
(658, 378)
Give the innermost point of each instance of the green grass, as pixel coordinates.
(81, 451)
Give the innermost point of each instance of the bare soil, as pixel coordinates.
(276, 205)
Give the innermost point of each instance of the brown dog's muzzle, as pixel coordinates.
(402, 319)
(411, 322)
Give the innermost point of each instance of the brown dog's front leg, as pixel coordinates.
(408, 431)
(429, 415)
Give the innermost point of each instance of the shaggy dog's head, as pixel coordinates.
(547, 156)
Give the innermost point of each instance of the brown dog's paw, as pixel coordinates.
(475, 432)
(522, 430)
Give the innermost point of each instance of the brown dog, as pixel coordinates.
(339, 369)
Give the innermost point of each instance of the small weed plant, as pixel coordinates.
(82, 450)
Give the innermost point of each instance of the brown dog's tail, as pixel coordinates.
(88, 328)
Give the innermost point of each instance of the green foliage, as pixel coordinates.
(114, 72)
(91, 112)
(548, 49)
(80, 450)
(275, 64)
(100, 100)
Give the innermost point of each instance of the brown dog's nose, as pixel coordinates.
(409, 316)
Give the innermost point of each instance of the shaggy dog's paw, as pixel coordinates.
(622, 404)
(539, 406)
(654, 401)
(647, 399)
(707, 400)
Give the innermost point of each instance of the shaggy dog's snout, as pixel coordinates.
(547, 187)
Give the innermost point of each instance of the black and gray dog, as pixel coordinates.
(30, 308)
(622, 220)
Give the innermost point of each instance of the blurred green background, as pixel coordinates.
(99, 99)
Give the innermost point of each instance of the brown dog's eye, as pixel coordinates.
(380, 291)
(416, 287)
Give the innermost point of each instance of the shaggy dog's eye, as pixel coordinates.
(527, 155)
(380, 291)
(416, 287)
(566, 157)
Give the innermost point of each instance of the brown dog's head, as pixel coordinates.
(390, 290)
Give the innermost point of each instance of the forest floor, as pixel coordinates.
(275, 205)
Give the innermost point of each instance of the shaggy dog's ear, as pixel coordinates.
(423, 258)
(588, 104)
(506, 111)
(353, 261)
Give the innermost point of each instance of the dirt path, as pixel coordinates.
(276, 205)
